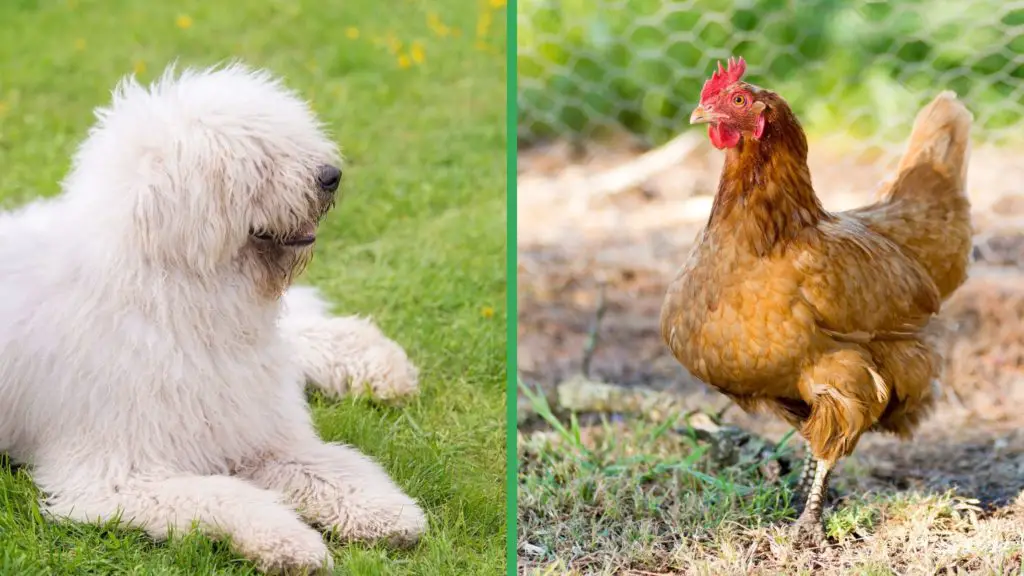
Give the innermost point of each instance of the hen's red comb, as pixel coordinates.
(723, 77)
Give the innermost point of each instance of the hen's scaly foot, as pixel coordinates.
(809, 530)
(804, 482)
(808, 533)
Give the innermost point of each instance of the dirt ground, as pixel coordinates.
(575, 244)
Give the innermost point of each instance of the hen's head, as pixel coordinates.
(730, 107)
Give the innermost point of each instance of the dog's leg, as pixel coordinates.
(344, 355)
(260, 526)
(342, 491)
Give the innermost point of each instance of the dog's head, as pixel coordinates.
(212, 172)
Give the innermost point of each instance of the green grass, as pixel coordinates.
(636, 496)
(418, 240)
(627, 494)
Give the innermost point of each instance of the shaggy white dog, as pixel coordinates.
(152, 364)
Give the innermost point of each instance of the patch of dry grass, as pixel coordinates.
(635, 497)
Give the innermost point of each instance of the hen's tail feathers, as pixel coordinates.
(941, 138)
(925, 209)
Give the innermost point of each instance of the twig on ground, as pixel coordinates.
(583, 395)
(593, 333)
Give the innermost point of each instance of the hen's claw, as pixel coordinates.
(808, 533)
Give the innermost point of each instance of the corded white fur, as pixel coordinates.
(350, 352)
(148, 368)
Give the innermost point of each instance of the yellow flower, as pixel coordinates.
(497, 3)
(4, 107)
(184, 22)
(436, 26)
(417, 52)
(352, 32)
(79, 44)
(404, 61)
(487, 312)
(483, 23)
(139, 67)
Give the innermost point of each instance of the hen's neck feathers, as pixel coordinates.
(765, 197)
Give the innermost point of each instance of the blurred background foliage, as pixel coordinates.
(587, 67)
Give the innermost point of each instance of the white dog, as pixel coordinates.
(152, 365)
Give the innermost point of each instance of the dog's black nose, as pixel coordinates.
(328, 177)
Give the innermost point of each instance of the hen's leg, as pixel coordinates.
(340, 490)
(809, 528)
(344, 355)
(803, 484)
(847, 396)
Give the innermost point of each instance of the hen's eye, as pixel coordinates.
(739, 100)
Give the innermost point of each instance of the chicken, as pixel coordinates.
(823, 318)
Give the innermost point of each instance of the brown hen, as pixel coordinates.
(821, 317)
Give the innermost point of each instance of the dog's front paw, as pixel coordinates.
(352, 357)
(300, 553)
(398, 522)
(406, 525)
(384, 372)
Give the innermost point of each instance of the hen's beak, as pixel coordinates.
(702, 116)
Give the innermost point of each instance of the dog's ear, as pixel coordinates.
(184, 225)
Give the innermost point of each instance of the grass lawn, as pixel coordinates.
(415, 94)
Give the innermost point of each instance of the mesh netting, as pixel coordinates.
(856, 72)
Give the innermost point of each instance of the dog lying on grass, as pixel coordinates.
(153, 355)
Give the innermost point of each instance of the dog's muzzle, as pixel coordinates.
(328, 178)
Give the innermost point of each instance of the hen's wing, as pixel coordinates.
(862, 287)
